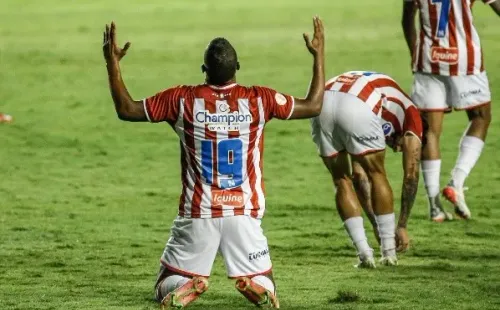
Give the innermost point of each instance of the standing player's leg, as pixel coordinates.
(382, 202)
(247, 258)
(349, 207)
(187, 261)
(429, 94)
(431, 165)
(476, 102)
(363, 189)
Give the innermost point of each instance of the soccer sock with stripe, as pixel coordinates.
(386, 229)
(431, 170)
(470, 150)
(356, 230)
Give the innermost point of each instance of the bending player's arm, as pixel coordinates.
(126, 108)
(495, 5)
(312, 104)
(411, 147)
(408, 23)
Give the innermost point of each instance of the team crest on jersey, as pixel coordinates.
(388, 129)
(280, 99)
(222, 107)
(223, 119)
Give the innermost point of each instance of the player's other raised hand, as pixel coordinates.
(109, 47)
(316, 46)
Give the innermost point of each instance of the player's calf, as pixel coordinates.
(259, 290)
(179, 291)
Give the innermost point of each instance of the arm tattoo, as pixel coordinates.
(410, 187)
(408, 195)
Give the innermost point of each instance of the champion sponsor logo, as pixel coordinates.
(258, 255)
(223, 121)
(470, 93)
(227, 198)
(388, 129)
(443, 54)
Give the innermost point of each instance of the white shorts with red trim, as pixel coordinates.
(194, 243)
(443, 93)
(346, 123)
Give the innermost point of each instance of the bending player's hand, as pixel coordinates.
(402, 240)
(316, 46)
(109, 47)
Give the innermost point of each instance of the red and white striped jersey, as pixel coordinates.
(448, 43)
(221, 132)
(385, 98)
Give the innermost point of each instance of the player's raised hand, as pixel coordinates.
(109, 47)
(316, 46)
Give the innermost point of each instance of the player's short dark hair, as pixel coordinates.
(221, 61)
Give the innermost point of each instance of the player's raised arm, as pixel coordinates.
(408, 24)
(495, 5)
(311, 105)
(126, 108)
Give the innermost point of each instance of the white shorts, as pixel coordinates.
(346, 123)
(194, 243)
(442, 93)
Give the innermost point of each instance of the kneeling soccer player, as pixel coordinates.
(220, 125)
(350, 124)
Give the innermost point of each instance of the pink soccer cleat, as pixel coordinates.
(256, 294)
(181, 297)
(457, 198)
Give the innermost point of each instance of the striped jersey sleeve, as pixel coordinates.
(164, 106)
(276, 105)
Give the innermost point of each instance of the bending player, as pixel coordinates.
(220, 125)
(349, 124)
(404, 132)
(448, 73)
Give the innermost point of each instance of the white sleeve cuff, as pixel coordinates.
(293, 107)
(146, 110)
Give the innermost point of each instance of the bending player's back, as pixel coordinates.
(371, 87)
(221, 133)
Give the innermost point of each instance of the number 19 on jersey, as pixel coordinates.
(228, 166)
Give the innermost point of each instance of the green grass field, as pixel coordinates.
(86, 201)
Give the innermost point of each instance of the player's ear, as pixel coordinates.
(203, 68)
(238, 65)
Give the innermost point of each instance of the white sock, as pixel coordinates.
(172, 283)
(470, 150)
(387, 232)
(356, 230)
(265, 282)
(431, 170)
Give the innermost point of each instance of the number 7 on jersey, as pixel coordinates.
(444, 16)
